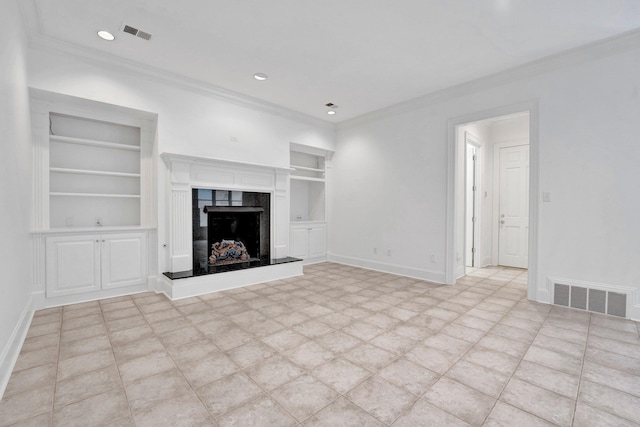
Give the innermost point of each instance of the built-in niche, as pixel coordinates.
(231, 230)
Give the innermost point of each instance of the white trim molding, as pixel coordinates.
(625, 42)
(11, 350)
(400, 270)
(39, 41)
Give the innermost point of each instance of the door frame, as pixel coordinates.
(495, 250)
(532, 108)
(471, 139)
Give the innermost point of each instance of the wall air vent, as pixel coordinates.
(583, 297)
(136, 32)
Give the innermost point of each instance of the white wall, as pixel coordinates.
(15, 161)
(190, 121)
(390, 174)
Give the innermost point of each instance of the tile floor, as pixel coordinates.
(339, 346)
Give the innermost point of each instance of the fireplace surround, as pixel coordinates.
(257, 195)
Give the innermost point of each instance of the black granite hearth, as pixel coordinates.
(229, 267)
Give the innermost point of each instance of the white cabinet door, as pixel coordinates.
(299, 242)
(72, 265)
(123, 260)
(317, 241)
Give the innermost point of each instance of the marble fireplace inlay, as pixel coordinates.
(229, 227)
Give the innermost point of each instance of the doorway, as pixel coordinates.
(493, 172)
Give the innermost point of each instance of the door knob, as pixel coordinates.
(502, 221)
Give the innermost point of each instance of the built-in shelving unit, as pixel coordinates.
(94, 172)
(92, 143)
(307, 183)
(94, 209)
(308, 229)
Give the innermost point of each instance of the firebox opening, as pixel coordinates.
(231, 229)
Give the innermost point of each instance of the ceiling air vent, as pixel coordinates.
(136, 32)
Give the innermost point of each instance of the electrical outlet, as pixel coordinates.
(388, 252)
(98, 222)
(375, 251)
(433, 258)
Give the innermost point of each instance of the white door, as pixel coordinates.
(123, 260)
(514, 206)
(73, 265)
(317, 241)
(299, 238)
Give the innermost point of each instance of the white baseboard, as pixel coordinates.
(11, 351)
(316, 260)
(95, 295)
(415, 273)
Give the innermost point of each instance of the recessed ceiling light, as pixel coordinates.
(260, 76)
(331, 112)
(106, 35)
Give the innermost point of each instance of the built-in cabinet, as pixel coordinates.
(308, 240)
(93, 262)
(308, 229)
(93, 198)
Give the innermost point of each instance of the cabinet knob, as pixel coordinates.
(97, 241)
(102, 240)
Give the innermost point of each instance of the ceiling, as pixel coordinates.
(362, 55)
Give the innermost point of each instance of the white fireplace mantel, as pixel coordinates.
(188, 172)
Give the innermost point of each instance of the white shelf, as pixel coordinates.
(92, 172)
(104, 229)
(93, 143)
(307, 178)
(124, 196)
(304, 168)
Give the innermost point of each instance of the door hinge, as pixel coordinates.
(475, 157)
(473, 250)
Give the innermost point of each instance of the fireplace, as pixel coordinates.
(196, 183)
(231, 230)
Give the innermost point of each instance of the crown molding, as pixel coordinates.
(621, 43)
(624, 42)
(39, 41)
